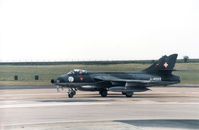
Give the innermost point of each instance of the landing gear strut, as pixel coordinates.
(123, 93)
(71, 93)
(103, 92)
(129, 93)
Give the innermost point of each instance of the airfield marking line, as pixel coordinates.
(30, 94)
(165, 103)
(35, 104)
(48, 104)
(87, 121)
(65, 121)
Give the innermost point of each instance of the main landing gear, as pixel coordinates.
(128, 93)
(71, 93)
(103, 92)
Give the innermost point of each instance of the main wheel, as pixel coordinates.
(129, 94)
(103, 93)
(123, 93)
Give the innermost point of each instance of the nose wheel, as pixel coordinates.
(71, 93)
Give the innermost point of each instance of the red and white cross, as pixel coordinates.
(166, 65)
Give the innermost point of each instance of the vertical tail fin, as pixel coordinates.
(163, 66)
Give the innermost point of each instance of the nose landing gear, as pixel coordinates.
(71, 93)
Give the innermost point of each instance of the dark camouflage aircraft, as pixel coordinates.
(158, 74)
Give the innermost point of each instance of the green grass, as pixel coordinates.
(26, 74)
(189, 73)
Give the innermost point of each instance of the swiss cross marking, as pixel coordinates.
(166, 65)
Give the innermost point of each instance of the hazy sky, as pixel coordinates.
(43, 30)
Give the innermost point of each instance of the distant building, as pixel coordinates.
(186, 59)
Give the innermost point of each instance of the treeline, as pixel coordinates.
(93, 62)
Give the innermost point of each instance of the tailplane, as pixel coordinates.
(164, 66)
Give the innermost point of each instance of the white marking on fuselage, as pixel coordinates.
(70, 79)
(155, 78)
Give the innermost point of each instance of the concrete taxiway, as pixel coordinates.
(44, 108)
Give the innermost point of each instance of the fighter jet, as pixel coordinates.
(158, 74)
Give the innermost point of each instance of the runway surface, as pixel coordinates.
(44, 108)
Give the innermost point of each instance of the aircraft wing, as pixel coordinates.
(116, 79)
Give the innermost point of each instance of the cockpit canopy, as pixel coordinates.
(77, 71)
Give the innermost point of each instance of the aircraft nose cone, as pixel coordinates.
(52, 81)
